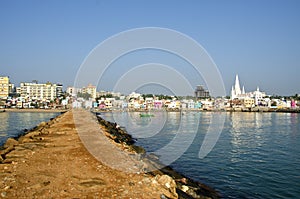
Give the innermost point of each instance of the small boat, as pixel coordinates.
(146, 115)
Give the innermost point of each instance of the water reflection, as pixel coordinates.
(172, 132)
(247, 133)
(257, 155)
(185, 130)
(294, 119)
(4, 118)
(137, 126)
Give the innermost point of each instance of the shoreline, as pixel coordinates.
(51, 161)
(34, 110)
(229, 110)
(232, 110)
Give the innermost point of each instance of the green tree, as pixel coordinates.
(84, 95)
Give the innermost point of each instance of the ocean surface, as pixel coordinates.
(12, 124)
(256, 155)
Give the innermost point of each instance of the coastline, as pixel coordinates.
(34, 110)
(238, 109)
(51, 161)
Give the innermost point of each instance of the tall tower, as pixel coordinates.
(237, 87)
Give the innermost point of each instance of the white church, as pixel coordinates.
(237, 93)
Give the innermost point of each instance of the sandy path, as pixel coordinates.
(52, 162)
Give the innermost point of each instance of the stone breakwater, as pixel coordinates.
(181, 185)
(50, 161)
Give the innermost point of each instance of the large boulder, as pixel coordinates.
(10, 142)
(40, 126)
(168, 183)
(33, 134)
(8, 146)
(25, 139)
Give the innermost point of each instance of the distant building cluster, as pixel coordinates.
(90, 90)
(134, 101)
(51, 95)
(239, 100)
(254, 98)
(247, 100)
(30, 94)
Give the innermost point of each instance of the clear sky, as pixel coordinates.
(257, 39)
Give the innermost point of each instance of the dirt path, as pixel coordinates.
(51, 162)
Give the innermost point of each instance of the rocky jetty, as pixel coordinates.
(50, 161)
(178, 184)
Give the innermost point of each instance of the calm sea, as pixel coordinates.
(257, 155)
(13, 124)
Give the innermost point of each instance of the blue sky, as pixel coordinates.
(259, 40)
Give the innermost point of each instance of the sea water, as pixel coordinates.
(12, 124)
(257, 155)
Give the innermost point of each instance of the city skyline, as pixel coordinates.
(236, 89)
(48, 41)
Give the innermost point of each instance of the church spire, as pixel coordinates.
(237, 87)
(232, 93)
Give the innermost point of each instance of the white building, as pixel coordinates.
(237, 93)
(258, 96)
(134, 95)
(39, 91)
(72, 91)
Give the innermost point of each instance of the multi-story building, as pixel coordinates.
(72, 91)
(5, 87)
(201, 93)
(39, 91)
(90, 89)
(59, 90)
(102, 93)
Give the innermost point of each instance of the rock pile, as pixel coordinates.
(175, 184)
(120, 136)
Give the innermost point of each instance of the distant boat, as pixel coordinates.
(146, 115)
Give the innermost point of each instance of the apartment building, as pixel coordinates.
(5, 87)
(200, 92)
(90, 89)
(40, 91)
(72, 91)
